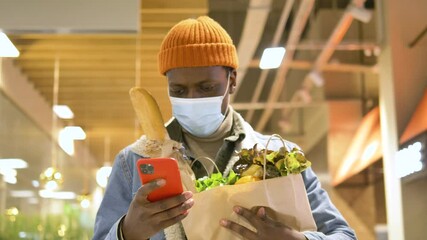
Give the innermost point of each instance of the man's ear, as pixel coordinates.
(233, 81)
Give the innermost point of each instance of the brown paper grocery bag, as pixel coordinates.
(284, 195)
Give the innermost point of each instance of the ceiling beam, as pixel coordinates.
(79, 65)
(100, 54)
(276, 105)
(353, 45)
(276, 41)
(64, 74)
(334, 39)
(39, 83)
(90, 46)
(70, 82)
(84, 37)
(117, 132)
(255, 21)
(99, 96)
(330, 67)
(158, 24)
(298, 26)
(173, 4)
(90, 89)
(188, 11)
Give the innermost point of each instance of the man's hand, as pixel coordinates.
(145, 218)
(266, 228)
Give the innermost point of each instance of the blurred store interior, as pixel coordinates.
(351, 90)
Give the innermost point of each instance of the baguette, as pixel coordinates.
(156, 141)
(148, 114)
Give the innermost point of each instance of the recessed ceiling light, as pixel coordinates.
(22, 193)
(10, 179)
(13, 163)
(102, 176)
(409, 160)
(8, 172)
(360, 13)
(272, 57)
(57, 195)
(66, 142)
(35, 183)
(75, 132)
(7, 48)
(316, 78)
(63, 111)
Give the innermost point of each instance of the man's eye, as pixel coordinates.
(208, 88)
(176, 92)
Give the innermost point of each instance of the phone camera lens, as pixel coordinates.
(147, 168)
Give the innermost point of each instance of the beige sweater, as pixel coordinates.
(200, 148)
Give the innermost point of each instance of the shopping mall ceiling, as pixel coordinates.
(330, 57)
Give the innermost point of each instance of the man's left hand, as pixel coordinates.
(266, 228)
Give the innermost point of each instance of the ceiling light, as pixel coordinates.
(304, 95)
(367, 52)
(7, 49)
(13, 163)
(51, 178)
(360, 13)
(13, 211)
(272, 57)
(8, 172)
(75, 132)
(67, 136)
(35, 183)
(22, 235)
(51, 185)
(316, 78)
(409, 160)
(84, 200)
(63, 111)
(10, 179)
(85, 203)
(376, 51)
(66, 142)
(22, 193)
(370, 151)
(57, 195)
(102, 176)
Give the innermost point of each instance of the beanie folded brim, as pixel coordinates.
(198, 55)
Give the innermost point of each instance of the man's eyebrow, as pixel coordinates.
(207, 81)
(210, 80)
(175, 85)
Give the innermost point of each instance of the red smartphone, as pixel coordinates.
(166, 168)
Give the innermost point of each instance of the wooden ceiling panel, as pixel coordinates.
(47, 65)
(164, 4)
(43, 82)
(96, 71)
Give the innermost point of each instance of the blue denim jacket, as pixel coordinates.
(124, 183)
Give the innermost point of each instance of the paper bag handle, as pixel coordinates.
(265, 157)
(198, 160)
(265, 152)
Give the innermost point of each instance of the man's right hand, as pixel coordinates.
(145, 218)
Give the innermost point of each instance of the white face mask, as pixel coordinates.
(199, 116)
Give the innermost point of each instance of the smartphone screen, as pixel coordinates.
(150, 169)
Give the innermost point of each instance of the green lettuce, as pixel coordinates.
(215, 180)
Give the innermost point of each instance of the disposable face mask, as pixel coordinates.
(199, 116)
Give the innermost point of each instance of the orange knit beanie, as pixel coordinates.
(197, 42)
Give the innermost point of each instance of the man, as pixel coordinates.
(199, 60)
